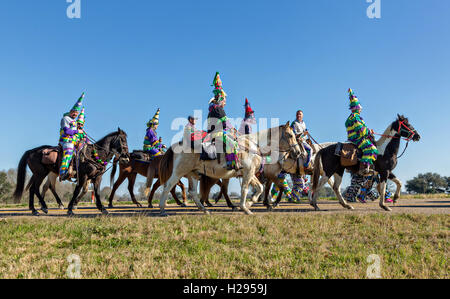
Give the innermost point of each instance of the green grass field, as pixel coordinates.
(231, 246)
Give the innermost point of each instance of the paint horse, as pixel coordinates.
(329, 164)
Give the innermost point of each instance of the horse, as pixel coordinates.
(176, 163)
(90, 167)
(267, 174)
(329, 164)
(136, 166)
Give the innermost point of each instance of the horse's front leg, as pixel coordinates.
(382, 190)
(398, 183)
(259, 188)
(98, 201)
(244, 191)
(173, 180)
(76, 192)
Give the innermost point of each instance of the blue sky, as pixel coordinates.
(132, 57)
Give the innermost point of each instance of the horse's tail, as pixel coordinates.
(113, 172)
(317, 167)
(166, 166)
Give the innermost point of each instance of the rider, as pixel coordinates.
(219, 126)
(300, 130)
(360, 135)
(152, 144)
(80, 137)
(67, 137)
(248, 121)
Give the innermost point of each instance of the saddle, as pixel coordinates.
(51, 155)
(349, 153)
(141, 156)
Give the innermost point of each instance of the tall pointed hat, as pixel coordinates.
(218, 89)
(155, 120)
(354, 102)
(248, 110)
(81, 117)
(79, 104)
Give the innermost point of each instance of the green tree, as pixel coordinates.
(426, 183)
(5, 187)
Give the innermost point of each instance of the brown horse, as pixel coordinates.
(137, 165)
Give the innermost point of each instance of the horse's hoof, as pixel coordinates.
(110, 206)
(183, 205)
(350, 207)
(35, 213)
(207, 212)
(269, 208)
(163, 214)
(234, 209)
(45, 210)
(386, 208)
(249, 213)
(70, 213)
(104, 212)
(209, 205)
(61, 207)
(150, 206)
(139, 205)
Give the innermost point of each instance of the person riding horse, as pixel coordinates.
(360, 135)
(67, 137)
(152, 144)
(248, 121)
(218, 125)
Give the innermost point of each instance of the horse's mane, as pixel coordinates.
(110, 135)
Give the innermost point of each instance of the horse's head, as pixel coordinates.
(288, 142)
(405, 129)
(119, 146)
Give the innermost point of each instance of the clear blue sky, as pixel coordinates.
(132, 57)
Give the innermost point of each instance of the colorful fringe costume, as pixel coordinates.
(220, 127)
(68, 137)
(152, 144)
(362, 188)
(359, 134)
(81, 137)
(248, 121)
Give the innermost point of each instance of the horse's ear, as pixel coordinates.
(398, 116)
(119, 130)
(288, 124)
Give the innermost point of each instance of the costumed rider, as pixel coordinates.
(360, 135)
(219, 127)
(152, 144)
(248, 121)
(81, 137)
(68, 137)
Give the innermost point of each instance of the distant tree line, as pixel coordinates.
(428, 183)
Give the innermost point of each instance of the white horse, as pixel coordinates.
(176, 164)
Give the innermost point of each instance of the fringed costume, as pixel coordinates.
(219, 126)
(248, 121)
(152, 144)
(68, 138)
(359, 134)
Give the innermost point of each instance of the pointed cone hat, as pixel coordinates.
(155, 120)
(218, 89)
(354, 102)
(81, 117)
(248, 110)
(79, 104)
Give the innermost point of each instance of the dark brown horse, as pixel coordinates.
(114, 144)
(138, 165)
(329, 164)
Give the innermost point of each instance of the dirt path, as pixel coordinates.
(413, 206)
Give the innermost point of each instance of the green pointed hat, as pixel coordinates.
(81, 117)
(218, 90)
(79, 104)
(354, 102)
(155, 120)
